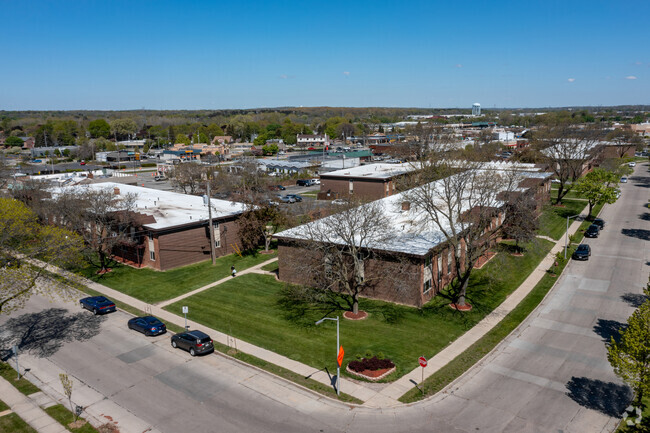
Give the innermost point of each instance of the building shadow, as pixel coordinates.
(645, 216)
(641, 181)
(606, 397)
(634, 299)
(637, 233)
(608, 329)
(43, 333)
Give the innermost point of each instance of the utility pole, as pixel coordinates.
(212, 252)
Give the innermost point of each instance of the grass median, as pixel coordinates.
(12, 423)
(250, 308)
(552, 221)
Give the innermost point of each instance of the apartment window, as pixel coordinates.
(351, 186)
(428, 274)
(152, 248)
(439, 269)
(449, 255)
(217, 235)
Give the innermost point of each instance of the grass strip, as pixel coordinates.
(12, 423)
(23, 385)
(271, 267)
(286, 374)
(3, 406)
(65, 417)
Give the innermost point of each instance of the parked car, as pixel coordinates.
(277, 188)
(304, 182)
(582, 252)
(295, 197)
(148, 325)
(285, 198)
(592, 231)
(82, 162)
(600, 223)
(631, 164)
(624, 179)
(195, 342)
(159, 178)
(339, 201)
(280, 187)
(98, 304)
(315, 181)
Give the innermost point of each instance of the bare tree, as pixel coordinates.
(188, 177)
(567, 149)
(520, 222)
(345, 258)
(104, 218)
(464, 206)
(626, 140)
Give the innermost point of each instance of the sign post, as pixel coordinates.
(423, 363)
(185, 309)
(15, 350)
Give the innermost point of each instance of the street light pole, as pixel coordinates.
(566, 234)
(338, 367)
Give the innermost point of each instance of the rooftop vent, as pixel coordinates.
(406, 206)
(116, 191)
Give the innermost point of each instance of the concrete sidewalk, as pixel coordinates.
(257, 269)
(385, 397)
(29, 410)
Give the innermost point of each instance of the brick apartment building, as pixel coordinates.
(367, 182)
(419, 258)
(172, 228)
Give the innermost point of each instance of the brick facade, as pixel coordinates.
(367, 189)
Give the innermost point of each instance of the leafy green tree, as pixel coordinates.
(598, 187)
(200, 138)
(13, 141)
(270, 149)
(23, 238)
(99, 128)
(630, 356)
(123, 128)
(182, 138)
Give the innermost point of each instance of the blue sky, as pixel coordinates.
(116, 54)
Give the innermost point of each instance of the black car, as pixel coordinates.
(195, 342)
(592, 231)
(582, 252)
(600, 223)
(304, 182)
(148, 325)
(98, 304)
(295, 197)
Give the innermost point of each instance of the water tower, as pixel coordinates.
(476, 109)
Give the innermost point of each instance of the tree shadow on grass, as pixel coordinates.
(634, 299)
(43, 333)
(608, 329)
(606, 397)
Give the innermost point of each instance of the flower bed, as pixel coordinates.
(371, 368)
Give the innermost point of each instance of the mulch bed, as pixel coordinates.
(351, 316)
(267, 252)
(457, 307)
(104, 271)
(517, 254)
(372, 375)
(484, 260)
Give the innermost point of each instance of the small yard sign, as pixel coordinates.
(423, 361)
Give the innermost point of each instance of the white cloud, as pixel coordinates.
(346, 73)
(284, 76)
(630, 77)
(638, 63)
(571, 80)
(458, 65)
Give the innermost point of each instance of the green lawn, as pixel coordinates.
(3, 406)
(552, 221)
(65, 417)
(154, 286)
(23, 385)
(271, 267)
(249, 309)
(12, 423)
(571, 194)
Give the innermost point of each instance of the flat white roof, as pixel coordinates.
(170, 209)
(375, 171)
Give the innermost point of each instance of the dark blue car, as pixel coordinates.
(98, 304)
(148, 325)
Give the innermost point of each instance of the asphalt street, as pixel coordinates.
(550, 375)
